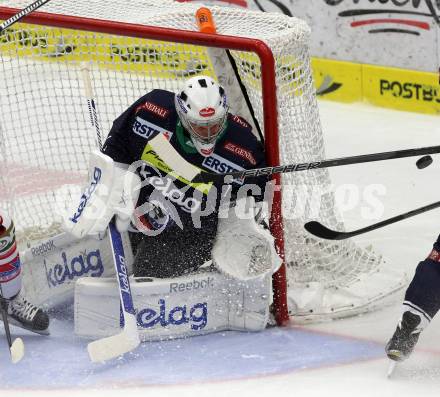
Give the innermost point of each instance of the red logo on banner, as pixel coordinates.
(207, 112)
(241, 3)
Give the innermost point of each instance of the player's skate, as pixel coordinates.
(405, 337)
(26, 315)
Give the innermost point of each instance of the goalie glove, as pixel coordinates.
(244, 249)
(112, 191)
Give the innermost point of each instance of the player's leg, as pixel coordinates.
(422, 302)
(21, 312)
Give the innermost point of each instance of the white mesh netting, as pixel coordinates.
(46, 138)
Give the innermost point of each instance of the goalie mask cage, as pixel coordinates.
(147, 44)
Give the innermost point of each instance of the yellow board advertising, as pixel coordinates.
(394, 88)
(335, 80)
(159, 59)
(402, 89)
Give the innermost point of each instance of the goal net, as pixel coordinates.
(46, 139)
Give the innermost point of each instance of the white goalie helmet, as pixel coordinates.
(203, 110)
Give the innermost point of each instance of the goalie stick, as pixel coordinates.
(321, 231)
(16, 347)
(116, 345)
(183, 168)
(26, 11)
(127, 340)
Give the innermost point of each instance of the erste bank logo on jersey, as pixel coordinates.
(146, 129)
(221, 165)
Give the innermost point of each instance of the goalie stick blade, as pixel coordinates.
(172, 158)
(17, 350)
(114, 346)
(321, 231)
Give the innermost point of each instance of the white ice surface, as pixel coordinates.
(339, 358)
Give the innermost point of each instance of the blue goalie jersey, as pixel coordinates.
(236, 149)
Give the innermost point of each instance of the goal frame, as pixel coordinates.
(269, 99)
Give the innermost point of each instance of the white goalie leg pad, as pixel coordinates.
(112, 190)
(190, 305)
(249, 308)
(50, 273)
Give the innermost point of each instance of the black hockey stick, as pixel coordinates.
(185, 169)
(15, 18)
(319, 230)
(16, 348)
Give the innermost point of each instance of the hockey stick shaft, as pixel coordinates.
(185, 169)
(365, 158)
(26, 11)
(121, 269)
(4, 309)
(16, 347)
(113, 346)
(319, 230)
(93, 113)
